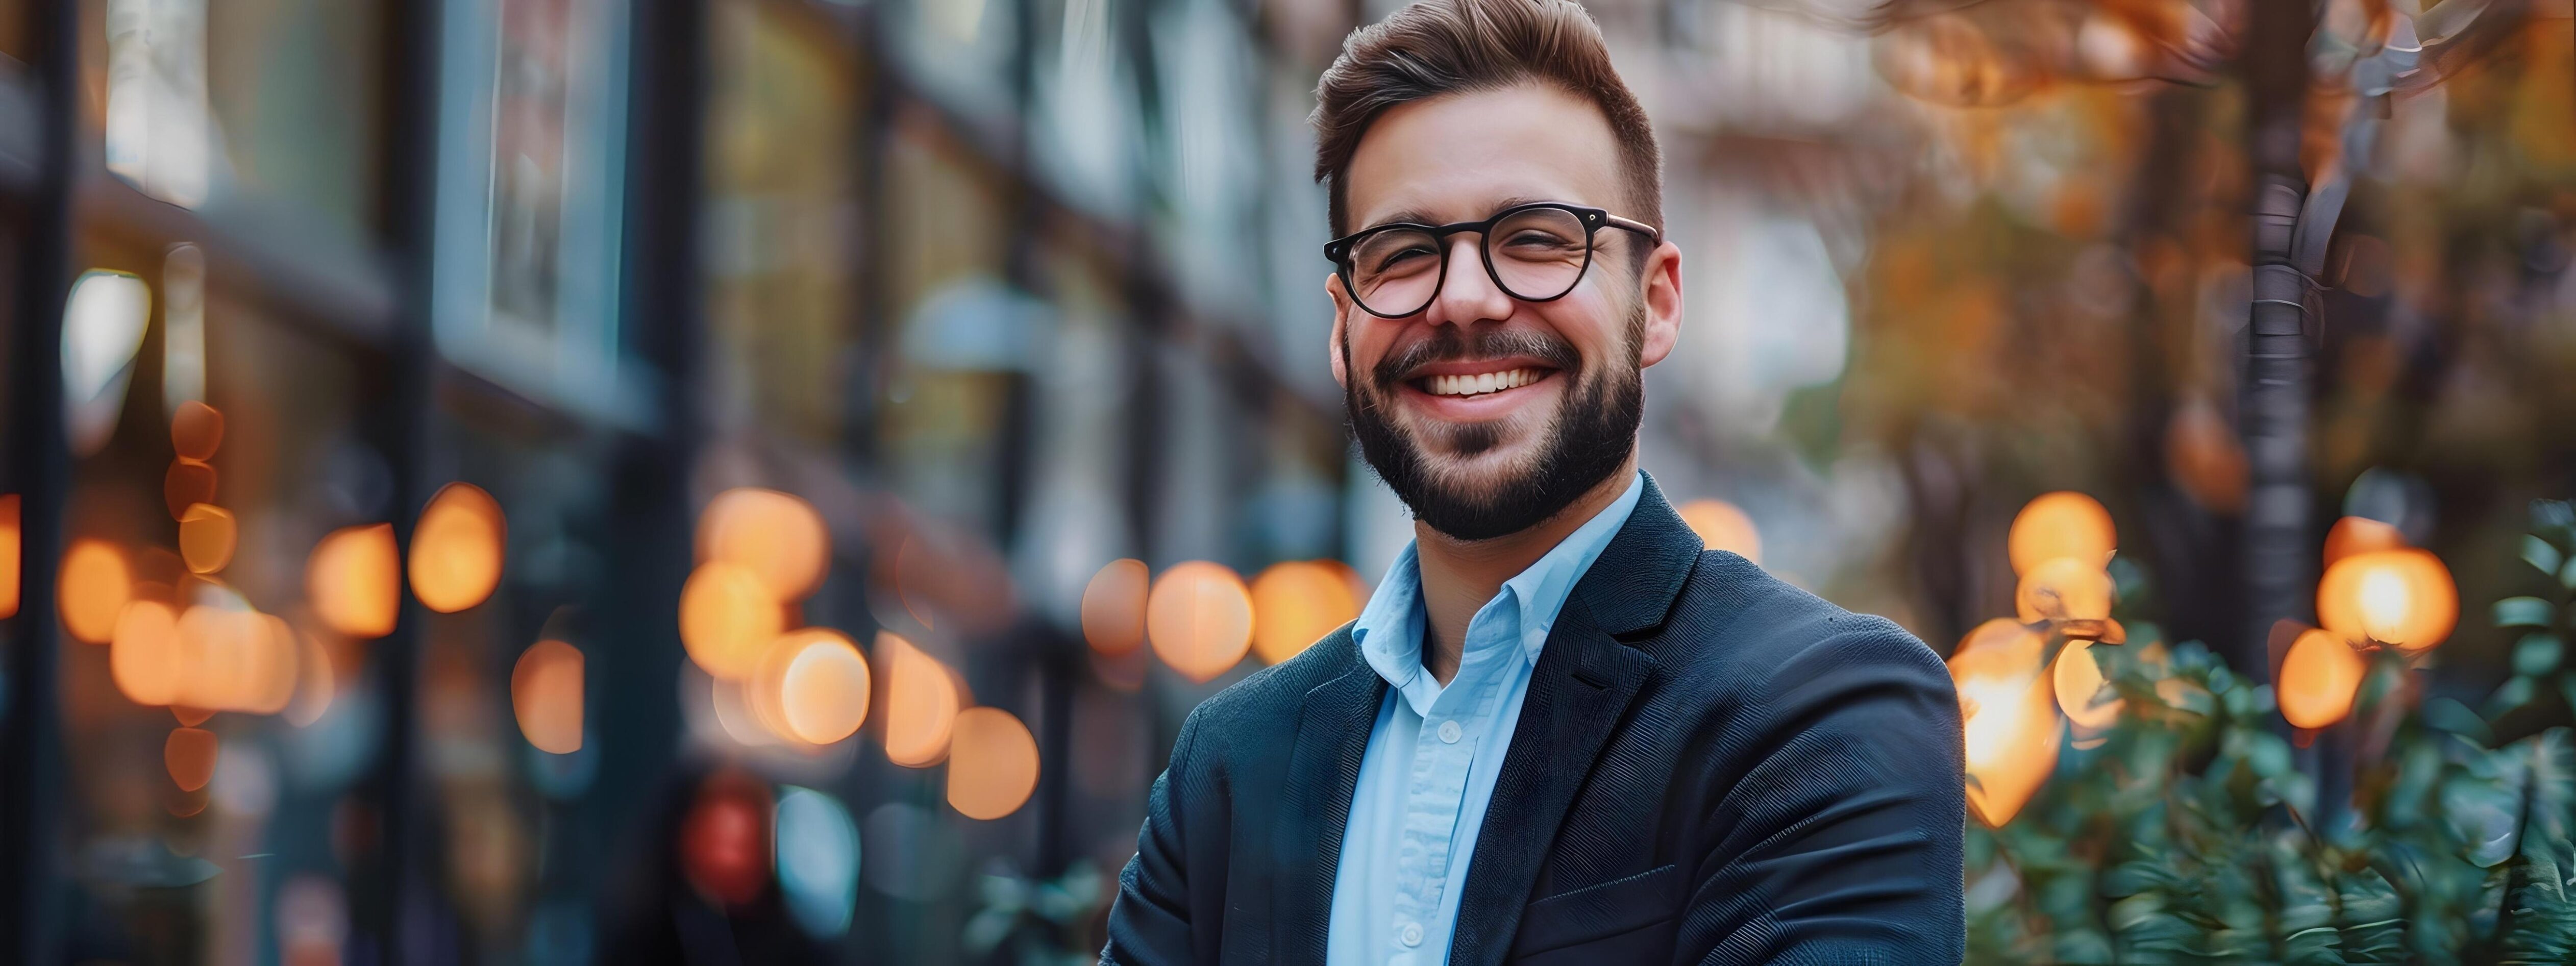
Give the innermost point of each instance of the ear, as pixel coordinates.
(1341, 328)
(1661, 290)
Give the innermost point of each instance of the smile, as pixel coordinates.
(1480, 383)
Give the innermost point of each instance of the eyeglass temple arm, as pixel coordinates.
(1631, 224)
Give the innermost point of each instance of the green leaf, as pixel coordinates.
(2536, 655)
(2541, 555)
(2514, 693)
(2523, 612)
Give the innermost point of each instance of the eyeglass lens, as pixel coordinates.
(1535, 255)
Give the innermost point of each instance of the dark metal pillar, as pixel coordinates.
(38, 468)
(397, 902)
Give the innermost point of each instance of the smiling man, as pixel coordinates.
(1561, 732)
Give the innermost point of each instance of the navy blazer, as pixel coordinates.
(1711, 767)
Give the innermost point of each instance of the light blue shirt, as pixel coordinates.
(1435, 752)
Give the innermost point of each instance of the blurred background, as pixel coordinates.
(712, 481)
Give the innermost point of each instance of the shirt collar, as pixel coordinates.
(1389, 629)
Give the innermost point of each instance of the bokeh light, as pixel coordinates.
(196, 431)
(727, 616)
(1723, 526)
(1199, 619)
(2403, 598)
(921, 703)
(187, 484)
(93, 587)
(207, 535)
(104, 319)
(2061, 524)
(2063, 588)
(353, 579)
(1113, 607)
(10, 542)
(993, 766)
(1295, 603)
(2082, 691)
(725, 844)
(2353, 535)
(190, 754)
(2010, 717)
(778, 537)
(2319, 678)
(143, 657)
(315, 682)
(818, 860)
(235, 659)
(811, 687)
(456, 548)
(546, 696)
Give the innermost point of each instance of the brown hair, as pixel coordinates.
(1438, 47)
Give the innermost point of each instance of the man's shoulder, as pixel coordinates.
(1735, 623)
(1271, 699)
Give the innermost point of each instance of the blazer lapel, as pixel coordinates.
(1323, 773)
(1582, 685)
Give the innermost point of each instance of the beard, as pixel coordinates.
(1588, 438)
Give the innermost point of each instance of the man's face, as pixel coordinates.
(1485, 413)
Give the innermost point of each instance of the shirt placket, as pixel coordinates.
(1443, 752)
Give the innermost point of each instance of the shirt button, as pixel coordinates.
(1411, 934)
(1449, 731)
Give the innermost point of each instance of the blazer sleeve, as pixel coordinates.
(1837, 839)
(1149, 922)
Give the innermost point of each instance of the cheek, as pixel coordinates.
(1595, 321)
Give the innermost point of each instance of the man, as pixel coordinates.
(1561, 732)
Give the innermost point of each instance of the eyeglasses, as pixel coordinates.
(1534, 253)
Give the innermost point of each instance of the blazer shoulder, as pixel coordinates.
(1272, 698)
(1735, 614)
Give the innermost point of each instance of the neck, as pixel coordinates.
(1460, 576)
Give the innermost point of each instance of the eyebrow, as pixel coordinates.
(1416, 216)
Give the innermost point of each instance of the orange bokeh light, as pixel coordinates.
(354, 580)
(994, 766)
(10, 542)
(1113, 607)
(727, 616)
(2402, 598)
(1723, 526)
(190, 755)
(546, 696)
(921, 703)
(235, 660)
(2063, 588)
(95, 584)
(2061, 524)
(2319, 679)
(1199, 619)
(143, 656)
(207, 535)
(456, 548)
(2352, 535)
(187, 484)
(2010, 717)
(778, 537)
(812, 687)
(2082, 692)
(196, 431)
(1294, 604)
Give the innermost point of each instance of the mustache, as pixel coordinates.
(1450, 344)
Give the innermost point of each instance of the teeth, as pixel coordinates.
(1481, 383)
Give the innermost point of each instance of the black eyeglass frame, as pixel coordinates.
(1593, 220)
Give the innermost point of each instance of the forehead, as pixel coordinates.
(1458, 157)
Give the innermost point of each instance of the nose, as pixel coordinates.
(1468, 294)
